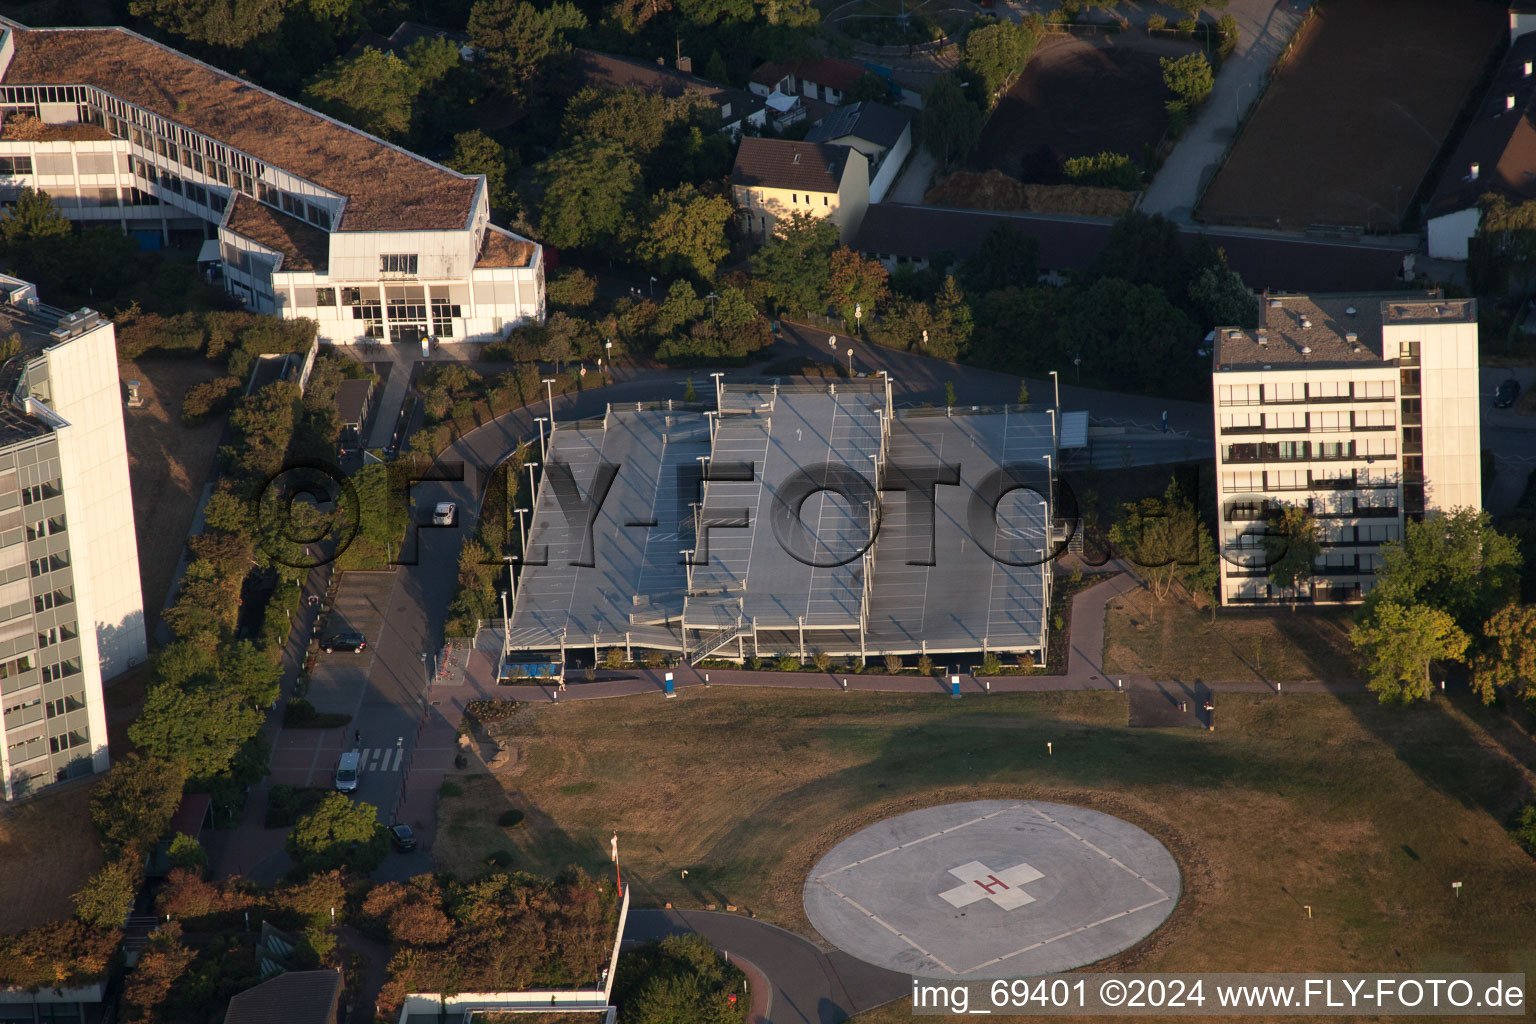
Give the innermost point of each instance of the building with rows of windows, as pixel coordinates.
(71, 612)
(1361, 408)
(307, 217)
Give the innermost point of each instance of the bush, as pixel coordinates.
(487, 711)
(925, 665)
(1186, 28)
(106, 898)
(187, 853)
(208, 398)
(787, 663)
(1106, 170)
(1156, 23)
(990, 665)
(301, 714)
(613, 657)
(1228, 29)
(822, 660)
(1525, 828)
(893, 664)
(510, 818)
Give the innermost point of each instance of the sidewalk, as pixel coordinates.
(1264, 28)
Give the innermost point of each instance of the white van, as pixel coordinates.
(346, 771)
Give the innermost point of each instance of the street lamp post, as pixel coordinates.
(1077, 361)
(549, 389)
(543, 449)
(532, 488)
(653, 288)
(711, 297)
(1056, 386)
(522, 533)
(608, 351)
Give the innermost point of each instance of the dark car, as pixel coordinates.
(1507, 393)
(353, 642)
(403, 838)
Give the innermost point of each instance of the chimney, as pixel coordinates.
(1475, 169)
(1509, 101)
(685, 65)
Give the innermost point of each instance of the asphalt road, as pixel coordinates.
(809, 986)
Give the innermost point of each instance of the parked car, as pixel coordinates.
(402, 837)
(444, 514)
(1507, 393)
(356, 643)
(346, 771)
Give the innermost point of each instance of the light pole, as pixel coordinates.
(522, 533)
(543, 449)
(549, 389)
(653, 288)
(925, 337)
(1077, 361)
(719, 395)
(1056, 386)
(711, 297)
(608, 351)
(532, 489)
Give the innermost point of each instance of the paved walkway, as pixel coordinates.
(1264, 28)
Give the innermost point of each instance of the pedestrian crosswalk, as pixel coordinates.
(380, 759)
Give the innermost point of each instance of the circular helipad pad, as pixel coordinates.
(992, 889)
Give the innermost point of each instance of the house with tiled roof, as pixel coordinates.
(773, 179)
(303, 216)
(1496, 155)
(882, 133)
(734, 107)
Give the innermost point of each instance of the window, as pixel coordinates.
(325, 296)
(1328, 389)
(1375, 419)
(291, 204)
(825, 201)
(96, 163)
(1238, 394)
(1330, 421)
(1288, 479)
(217, 200)
(794, 197)
(269, 195)
(1285, 421)
(1376, 389)
(1284, 392)
(1249, 421)
(15, 165)
(55, 163)
(1377, 447)
(398, 263)
(1243, 480)
(320, 216)
(197, 194)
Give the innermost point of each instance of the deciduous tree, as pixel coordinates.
(1006, 256)
(133, 804)
(1163, 539)
(1455, 562)
(107, 896)
(338, 834)
(1507, 661)
(790, 273)
(589, 194)
(1291, 547)
(1397, 644)
(475, 152)
(683, 231)
(856, 285)
(949, 123)
(1189, 78)
(518, 38)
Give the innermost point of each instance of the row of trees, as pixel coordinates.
(993, 54)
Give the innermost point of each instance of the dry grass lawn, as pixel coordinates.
(48, 848)
(1176, 641)
(1365, 813)
(169, 464)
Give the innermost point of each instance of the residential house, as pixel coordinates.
(735, 107)
(823, 78)
(1361, 408)
(293, 997)
(304, 216)
(883, 134)
(774, 178)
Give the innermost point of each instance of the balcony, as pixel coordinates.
(1340, 484)
(1376, 512)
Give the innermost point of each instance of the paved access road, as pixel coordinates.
(809, 986)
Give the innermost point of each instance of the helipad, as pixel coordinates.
(992, 889)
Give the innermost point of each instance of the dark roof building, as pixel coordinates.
(297, 997)
(780, 163)
(872, 122)
(828, 72)
(608, 71)
(1496, 155)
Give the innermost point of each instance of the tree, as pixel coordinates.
(589, 193)
(1398, 642)
(201, 727)
(1188, 77)
(475, 152)
(1144, 249)
(187, 853)
(995, 54)
(683, 231)
(32, 220)
(1006, 256)
(158, 973)
(1501, 255)
(1291, 548)
(1220, 294)
(376, 91)
(226, 23)
(1162, 538)
(870, 86)
(519, 38)
(952, 322)
(338, 834)
(1455, 562)
(856, 286)
(791, 272)
(106, 898)
(59, 954)
(133, 804)
(1508, 659)
(949, 123)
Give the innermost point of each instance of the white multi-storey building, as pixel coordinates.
(1362, 408)
(309, 217)
(71, 612)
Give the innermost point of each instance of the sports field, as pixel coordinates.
(1362, 812)
(1353, 119)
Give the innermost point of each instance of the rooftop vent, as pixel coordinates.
(1306, 350)
(72, 325)
(1475, 170)
(1351, 337)
(1349, 310)
(1306, 323)
(797, 158)
(1275, 303)
(1262, 337)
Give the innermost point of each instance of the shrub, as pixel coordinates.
(990, 665)
(755, 663)
(106, 898)
(1156, 23)
(487, 711)
(613, 657)
(510, 818)
(655, 659)
(1525, 828)
(186, 852)
(822, 660)
(893, 663)
(1186, 28)
(1106, 170)
(787, 663)
(1228, 29)
(925, 665)
(208, 398)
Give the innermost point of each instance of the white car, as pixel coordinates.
(444, 513)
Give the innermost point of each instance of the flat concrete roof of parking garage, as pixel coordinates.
(752, 572)
(973, 595)
(992, 889)
(636, 583)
